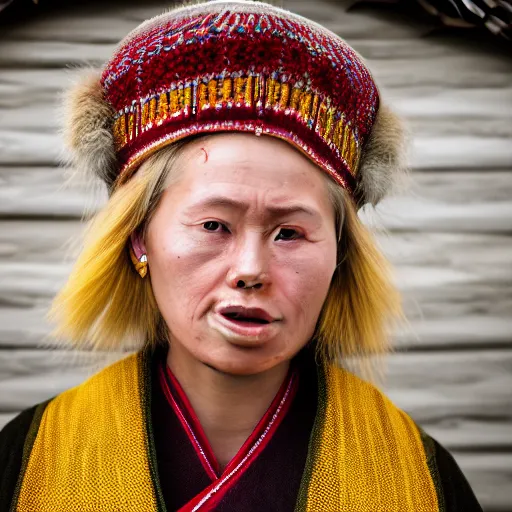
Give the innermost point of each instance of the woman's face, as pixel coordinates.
(241, 252)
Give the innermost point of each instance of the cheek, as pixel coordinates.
(304, 279)
(181, 267)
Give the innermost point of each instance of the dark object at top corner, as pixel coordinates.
(494, 15)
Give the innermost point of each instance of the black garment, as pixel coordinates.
(182, 477)
(458, 495)
(12, 440)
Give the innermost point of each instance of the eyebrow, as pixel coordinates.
(275, 211)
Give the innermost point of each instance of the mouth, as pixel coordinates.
(242, 315)
(241, 324)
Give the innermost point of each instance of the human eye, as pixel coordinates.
(214, 226)
(288, 234)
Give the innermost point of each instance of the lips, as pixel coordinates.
(241, 314)
(244, 326)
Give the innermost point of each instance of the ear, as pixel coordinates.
(138, 246)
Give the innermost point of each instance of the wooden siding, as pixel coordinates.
(450, 236)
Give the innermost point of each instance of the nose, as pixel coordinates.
(248, 268)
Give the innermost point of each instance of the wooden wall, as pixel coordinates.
(450, 235)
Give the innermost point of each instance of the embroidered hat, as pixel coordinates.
(236, 65)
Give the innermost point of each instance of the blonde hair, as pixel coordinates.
(363, 304)
(106, 305)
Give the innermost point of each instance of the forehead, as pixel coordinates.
(246, 164)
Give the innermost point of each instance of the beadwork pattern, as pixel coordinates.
(235, 67)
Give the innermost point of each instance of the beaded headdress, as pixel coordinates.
(236, 65)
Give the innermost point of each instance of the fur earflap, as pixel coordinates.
(87, 127)
(384, 164)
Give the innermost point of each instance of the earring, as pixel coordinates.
(140, 264)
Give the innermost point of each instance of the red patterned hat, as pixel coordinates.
(237, 65)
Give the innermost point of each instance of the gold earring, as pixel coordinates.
(140, 264)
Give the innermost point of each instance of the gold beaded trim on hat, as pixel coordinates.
(185, 100)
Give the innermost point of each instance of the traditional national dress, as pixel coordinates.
(128, 440)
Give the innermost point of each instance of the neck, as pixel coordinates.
(228, 406)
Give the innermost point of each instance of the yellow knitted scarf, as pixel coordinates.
(91, 449)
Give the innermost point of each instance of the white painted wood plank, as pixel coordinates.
(464, 434)
(44, 54)
(105, 24)
(33, 117)
(428, 329)
(32, 376)
(486, 257)
(459, 152)
(458, 302)
(499, 128)
(47, 191)
(376, 47)
(449, 202)
(433, 102)
(433, 387)
(448, 71)
(27, 285)
(462, 188)
(430, 278)
(24, 147)
(422, 214)
(25, 327)
(490, 476)
(22, 88)
(39, 240)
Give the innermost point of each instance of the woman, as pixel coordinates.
(237, 141)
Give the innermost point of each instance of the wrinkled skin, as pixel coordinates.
(249, 209)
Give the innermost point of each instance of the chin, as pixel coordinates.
(244, 362)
